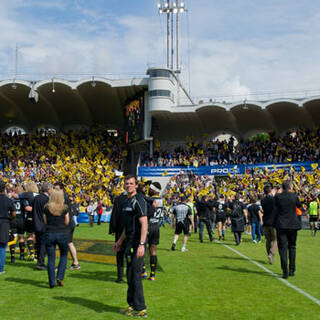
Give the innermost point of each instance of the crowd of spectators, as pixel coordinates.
(249, 186)
(88, 163)
(302, 145)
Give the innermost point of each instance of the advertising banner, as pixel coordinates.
(223, 170)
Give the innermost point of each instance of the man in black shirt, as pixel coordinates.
(204, 213)
(287, 224)
(39, 225)
(7, 213)
(116, 226)
(135, 233)
(268, 210)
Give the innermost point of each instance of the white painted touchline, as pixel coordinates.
(287, 283)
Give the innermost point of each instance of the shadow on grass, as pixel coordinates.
(95, 275)
(25, 264)
(237, 258)
(90, 304)
(244, 270)
(34, 283)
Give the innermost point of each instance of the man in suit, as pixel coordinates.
(116, 227)
(39, 226)
(287, 224)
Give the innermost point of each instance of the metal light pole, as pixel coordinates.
(172, 9)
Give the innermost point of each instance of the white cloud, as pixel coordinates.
(235, 49)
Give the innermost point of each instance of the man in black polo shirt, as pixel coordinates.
(135, 233)
(268, 210)
(287, 224)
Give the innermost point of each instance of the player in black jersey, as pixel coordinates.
(17, 227)
(27, 199)
(155, 214)
(221, 208)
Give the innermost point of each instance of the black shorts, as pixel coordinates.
(28, 226)
(153, 234)
(180, 226)
(313, 218)
(20, 226)
(221, 218)
(70, 235)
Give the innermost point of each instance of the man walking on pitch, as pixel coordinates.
(268, 210)
(287, 224)
(135, 233)
(181, 220)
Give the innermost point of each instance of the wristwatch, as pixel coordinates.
(142, 243)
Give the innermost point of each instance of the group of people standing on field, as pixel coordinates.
(45, 218)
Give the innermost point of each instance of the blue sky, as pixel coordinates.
(230, 49)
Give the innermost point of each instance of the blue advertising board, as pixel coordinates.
(221, 170)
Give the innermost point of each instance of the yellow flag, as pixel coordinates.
(303, 169)
(314, 166)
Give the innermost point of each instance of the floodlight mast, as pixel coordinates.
(171, 8)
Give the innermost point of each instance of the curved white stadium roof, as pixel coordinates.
(64, 104)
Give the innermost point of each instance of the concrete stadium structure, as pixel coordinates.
(64, 105)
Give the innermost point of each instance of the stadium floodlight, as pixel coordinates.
(174, 4)
(14, 86)
(182, 5)
(175, 10)
(159, 5)
(53, 89)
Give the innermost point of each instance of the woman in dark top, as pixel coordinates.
(56, 218)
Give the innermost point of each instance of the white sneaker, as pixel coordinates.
(184, 249)
(2, 272)
(254, 241)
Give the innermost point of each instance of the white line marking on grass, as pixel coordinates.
(287, 283)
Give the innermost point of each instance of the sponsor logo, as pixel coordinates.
(231, 170)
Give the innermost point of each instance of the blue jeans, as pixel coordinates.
(51, 240)
(2, 255)
(253, 230)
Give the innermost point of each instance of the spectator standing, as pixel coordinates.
(39, 225)
(255, 218)
(56, 219)
(99, 210)
(116, 227)
(90, 213)
(7, 213)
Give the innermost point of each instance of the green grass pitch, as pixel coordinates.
(207, 282)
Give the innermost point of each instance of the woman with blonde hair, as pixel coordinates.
(56, 218)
